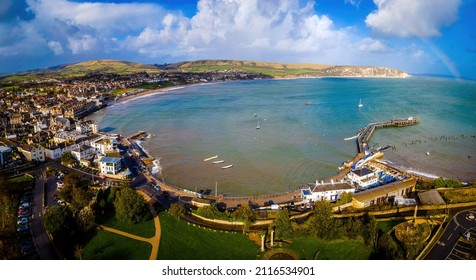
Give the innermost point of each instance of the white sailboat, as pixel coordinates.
(258, 126)
(360, 103)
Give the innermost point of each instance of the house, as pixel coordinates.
(56, 151)
(6, 156)
(105, 145)
(83, 152)
(383, 193)
(110, 165)
(363, 177)
(330, 191)
(33, 152)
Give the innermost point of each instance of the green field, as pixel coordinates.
(309, 247)
(110, 246)
(144, 229)
(181, 241)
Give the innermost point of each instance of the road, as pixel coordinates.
(43, 245)
(462, 223)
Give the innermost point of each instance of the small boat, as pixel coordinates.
(350, 138)
(427, 153)
(218, 161)
(256, 115)
(258, 126)
(308, 103)
(228, 166)
(360, 103)
(210, 158)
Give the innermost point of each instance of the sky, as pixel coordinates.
(416, 36)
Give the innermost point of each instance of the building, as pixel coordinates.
(83, 152)
(104, 145)
(55, 152)
(6, 156)
(330, 191)
(33, 152)
(383, 193)
(363, 177)
(110, 165)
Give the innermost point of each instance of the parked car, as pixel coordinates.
(23, 220)
(23, 228)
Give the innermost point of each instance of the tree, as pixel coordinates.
(282, 224)
(130, 206)
(246, 215)
(345, 197)
(59, 222)
(86, 219)
(177, 209)
(321, 223)
(67, 159)
(210, 212)
(369, 231)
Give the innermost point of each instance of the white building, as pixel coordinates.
(83, 152)
(105, 145)
(330, 191)
(33, 152)
(110, 165)
(363, 177)
(55, 152)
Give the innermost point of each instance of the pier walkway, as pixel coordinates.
(366, 133)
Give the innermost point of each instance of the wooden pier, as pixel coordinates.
(366, 133)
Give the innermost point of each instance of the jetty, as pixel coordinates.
(366, 133)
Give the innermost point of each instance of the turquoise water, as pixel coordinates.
(298, 143)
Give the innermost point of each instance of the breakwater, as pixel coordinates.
(366, 133)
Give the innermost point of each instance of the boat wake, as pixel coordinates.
(350, 138)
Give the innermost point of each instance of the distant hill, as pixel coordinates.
(277, 70)
(76, 70)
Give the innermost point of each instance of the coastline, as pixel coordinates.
(173, 88)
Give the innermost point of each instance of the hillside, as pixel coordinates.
(276, 70)
(77, 70)
(283, 70)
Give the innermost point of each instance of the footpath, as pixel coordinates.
(154, 241)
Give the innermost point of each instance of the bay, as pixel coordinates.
(298, 143)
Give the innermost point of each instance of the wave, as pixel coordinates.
(157, 168)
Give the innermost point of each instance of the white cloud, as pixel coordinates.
(372, 45)
(56, 47)
(355, 3)
(412, 18)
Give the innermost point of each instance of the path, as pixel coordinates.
(154, 241)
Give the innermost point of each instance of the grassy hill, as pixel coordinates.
(267, 68)
(273, 69)
(77, 70)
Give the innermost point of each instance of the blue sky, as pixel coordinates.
(417, 36)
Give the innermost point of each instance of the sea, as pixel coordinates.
(302, 127)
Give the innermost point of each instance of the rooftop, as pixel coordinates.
(110, 160)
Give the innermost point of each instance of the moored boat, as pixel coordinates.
(218, 161)
(210, 158)
(228, 166)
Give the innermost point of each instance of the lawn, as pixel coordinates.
(330, 250)
(458, 195)
(181, 241)
(110, 246)
(144, 229)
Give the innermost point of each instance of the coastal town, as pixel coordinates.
(43, 127)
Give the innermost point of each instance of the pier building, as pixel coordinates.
(383, 193)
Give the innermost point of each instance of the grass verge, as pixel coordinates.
(309, 247)
(183, 241)
(110, 246)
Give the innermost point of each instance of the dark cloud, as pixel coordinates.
(14, 10)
